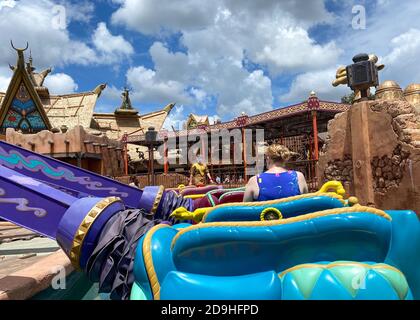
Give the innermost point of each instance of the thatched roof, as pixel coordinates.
(71, 109)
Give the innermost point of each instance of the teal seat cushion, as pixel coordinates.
(186, 286)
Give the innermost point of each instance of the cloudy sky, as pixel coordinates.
(218, 57)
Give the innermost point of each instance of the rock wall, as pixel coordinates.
(388, 170)
(340, 170)
(391, 141)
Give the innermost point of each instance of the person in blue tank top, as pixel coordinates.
(277, 182)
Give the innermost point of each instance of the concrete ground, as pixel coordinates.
(28, 262)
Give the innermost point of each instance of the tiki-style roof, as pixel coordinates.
(71, 109)
(116, 124)
(194, 121)
(68, 110)
(256, 120)
(21, 106)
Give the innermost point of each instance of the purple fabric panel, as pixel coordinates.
(59, 173)
(30, 203)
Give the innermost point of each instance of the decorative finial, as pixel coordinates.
(98, 90)
(126, 106)
(169, 107)
(21, 59)
(126, 103)
(19, 49)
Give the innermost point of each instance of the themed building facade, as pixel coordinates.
(67, 126)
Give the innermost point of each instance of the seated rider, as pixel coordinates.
(199, 171)
(277, 182)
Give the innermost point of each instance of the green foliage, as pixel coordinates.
(349, 99)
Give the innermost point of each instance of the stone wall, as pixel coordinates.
(383, 149)
(389, 170)
(340, 170)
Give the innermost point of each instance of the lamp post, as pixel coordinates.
(124, 142)
(313, 105)
(164, 134)
(151, 136)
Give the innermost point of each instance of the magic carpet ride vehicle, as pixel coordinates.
(131, 241)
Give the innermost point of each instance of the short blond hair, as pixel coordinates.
(278, 153)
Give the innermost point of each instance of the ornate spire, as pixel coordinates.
(37, 78)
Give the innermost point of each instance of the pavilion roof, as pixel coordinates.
(261, 118)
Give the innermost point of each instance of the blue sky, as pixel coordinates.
(219, 57)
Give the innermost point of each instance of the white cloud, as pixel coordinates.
(60, 83)
(49, 45)
(112, 93)
(169, 65)
(318, 81)
(111, 48)
(79, 10)
(401, 62)
(151, 17)
(253, 96)
(5, 76)
(36, 22)
(197, 78)
(198, 94)
(218, 37)
(148, 88)
(291, 49)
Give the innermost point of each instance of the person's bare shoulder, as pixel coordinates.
(300, 175)
(252, 180)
